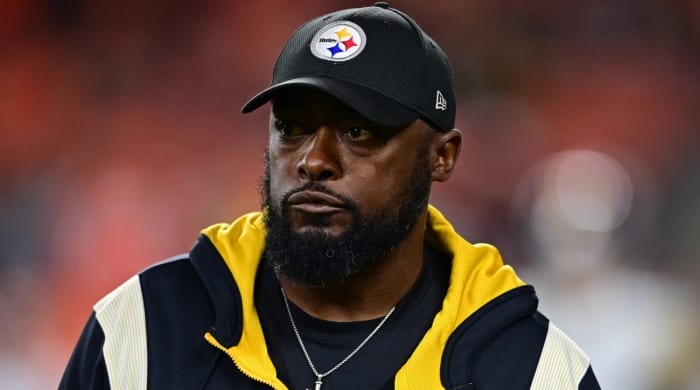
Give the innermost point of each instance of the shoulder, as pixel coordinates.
(130, 294)
(137, 321)
(561, 364)
(528, 349)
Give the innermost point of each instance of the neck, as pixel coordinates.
(369, 294)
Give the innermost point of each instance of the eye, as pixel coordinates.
(358, 133)
(288, 129)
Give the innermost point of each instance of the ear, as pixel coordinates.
(447, 148)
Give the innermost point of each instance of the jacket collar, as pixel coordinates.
(478, 275)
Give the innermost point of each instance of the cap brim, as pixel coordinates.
(368, 103)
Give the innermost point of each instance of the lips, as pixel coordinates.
(314, 202)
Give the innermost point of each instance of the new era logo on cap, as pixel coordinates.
(339, 41)
(440, 101)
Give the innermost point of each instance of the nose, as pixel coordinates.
(319, 160)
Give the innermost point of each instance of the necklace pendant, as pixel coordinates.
(318, 383)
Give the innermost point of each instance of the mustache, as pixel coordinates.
(347, 202)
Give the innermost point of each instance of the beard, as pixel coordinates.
(316, 258)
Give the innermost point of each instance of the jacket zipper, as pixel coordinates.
(210, 338)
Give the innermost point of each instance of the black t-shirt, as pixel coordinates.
(329, 342)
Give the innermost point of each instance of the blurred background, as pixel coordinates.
(121, 137)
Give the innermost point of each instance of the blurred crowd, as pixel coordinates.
(121, 137)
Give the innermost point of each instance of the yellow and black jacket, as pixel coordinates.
(191, 323)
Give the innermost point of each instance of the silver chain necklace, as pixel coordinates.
(319, 376)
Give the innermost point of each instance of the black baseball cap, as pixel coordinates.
(375, 59)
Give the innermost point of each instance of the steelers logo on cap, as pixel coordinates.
(339, 41)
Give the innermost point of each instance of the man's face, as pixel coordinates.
(340, 191)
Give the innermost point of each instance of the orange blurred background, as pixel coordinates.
(121, 137)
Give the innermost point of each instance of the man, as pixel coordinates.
(348, 278)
